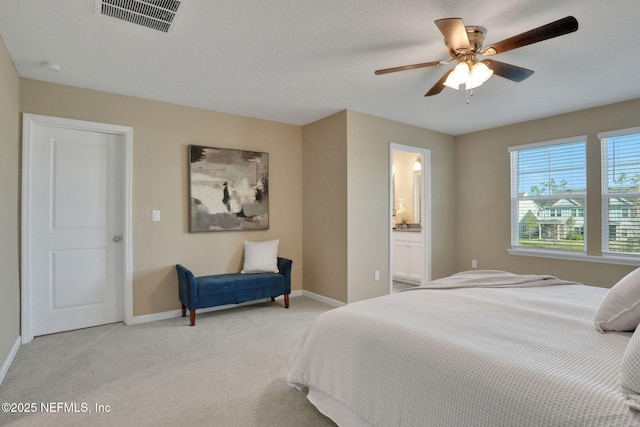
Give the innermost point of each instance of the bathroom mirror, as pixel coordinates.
(406, 186)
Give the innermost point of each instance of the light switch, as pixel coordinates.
(155, 215)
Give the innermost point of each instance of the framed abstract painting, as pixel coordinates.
(228, 189)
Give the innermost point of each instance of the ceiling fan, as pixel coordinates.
(465, 45)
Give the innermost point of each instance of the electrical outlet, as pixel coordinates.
(474, 263)
(155, 215)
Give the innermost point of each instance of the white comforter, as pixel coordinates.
(472, 356)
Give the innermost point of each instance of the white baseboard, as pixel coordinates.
(177, 313)
(9, 360)
(329, 301)
(145, 318)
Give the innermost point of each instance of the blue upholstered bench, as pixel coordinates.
(233, 288)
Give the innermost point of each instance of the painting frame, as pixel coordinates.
(228, 189)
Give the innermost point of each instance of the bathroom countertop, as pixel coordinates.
(408, 230)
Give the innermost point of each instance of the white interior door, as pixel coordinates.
(75, 226)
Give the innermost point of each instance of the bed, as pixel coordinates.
(480, 348)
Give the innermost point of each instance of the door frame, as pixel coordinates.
(425, 208)
(29, 121)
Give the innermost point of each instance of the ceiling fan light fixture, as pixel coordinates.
(458, 76)
(471, 76)
(480, 73)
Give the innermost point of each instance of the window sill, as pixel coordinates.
(579, 256)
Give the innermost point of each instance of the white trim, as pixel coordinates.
(390, 213)
(126, 132)
(568, 140)
(164, 315)
(145, 318)
(513, 181)
(619, 132)
(580, 256)
(127, 280)
(604, 195)
(27, 188)
(9, 360)
(323, 299)
(426, 213)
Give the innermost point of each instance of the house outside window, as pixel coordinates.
(621, 191)
(548, 195)
(555, 213)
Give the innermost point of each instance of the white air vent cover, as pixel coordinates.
(156, 14)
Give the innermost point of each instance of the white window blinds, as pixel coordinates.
(548, 195)
(621, 191)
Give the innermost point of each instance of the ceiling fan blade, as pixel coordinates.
(407, 67)
(553, 29)
(508, 71)
(455, 33)
(437, 88)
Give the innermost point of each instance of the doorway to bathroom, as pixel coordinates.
(410, 216)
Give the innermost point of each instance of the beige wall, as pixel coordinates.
(325, 207)
(346, 203)
(161, 133)
(368, 197)
(483, 193)
(10, 204)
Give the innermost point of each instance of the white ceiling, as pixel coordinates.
(296, 61)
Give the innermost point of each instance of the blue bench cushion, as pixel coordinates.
(235, 282)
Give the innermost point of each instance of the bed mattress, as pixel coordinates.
(466, 354)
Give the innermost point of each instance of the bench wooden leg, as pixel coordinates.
(286, 300)
(192, 317)
(184, 310)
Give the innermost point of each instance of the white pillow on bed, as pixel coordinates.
(630, 369)
(620, 307)
(260, 257)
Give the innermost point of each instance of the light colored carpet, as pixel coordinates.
(228, 370)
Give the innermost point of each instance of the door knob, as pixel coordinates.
(117, 238)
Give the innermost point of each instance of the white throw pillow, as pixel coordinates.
(630, 368)
(620, 307)
(261, 257)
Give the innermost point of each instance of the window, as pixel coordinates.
(548, 195)
(621, 191)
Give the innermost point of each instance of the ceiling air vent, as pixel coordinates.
(156, 14)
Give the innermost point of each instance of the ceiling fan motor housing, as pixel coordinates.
(475, 34)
